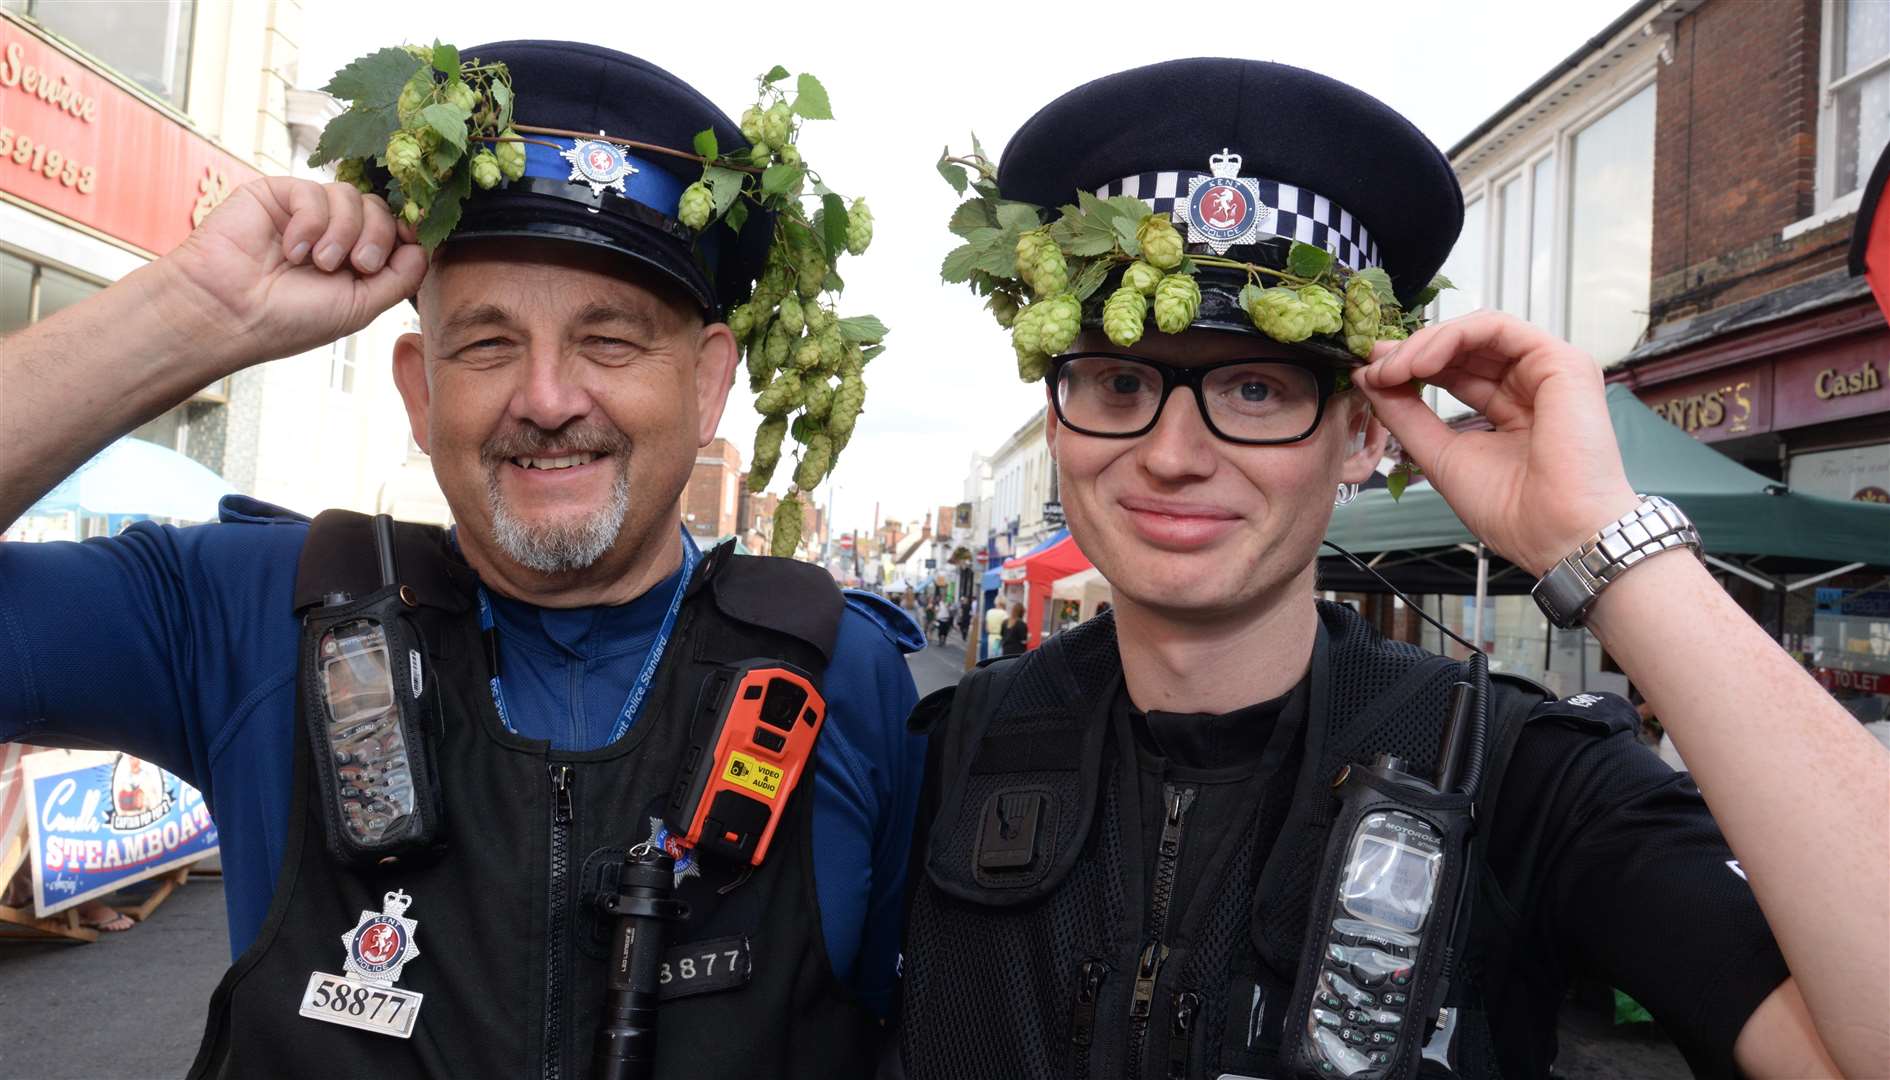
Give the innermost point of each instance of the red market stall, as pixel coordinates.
(1038, 571)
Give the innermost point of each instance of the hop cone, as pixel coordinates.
(788, 155)
(1062, 317)
(832, 346)
(1177, 299)
(350, 171)
(1041, 265)
(485, 170)
(1027, 343)
(776, 344)
(440, 164)
(793, 318)
(1122, 315)
(1280, 314)
(1142, 277)
(1326, 307)
(819, 400)
(805, 353)
(848, 400)
(787, 527)
(781, 395)
(751, 124)
(463, 96)
(511, 156)
(760, 153)
(413, 98)
(814, 461)
(772, 286)
(767, 451)
(759, 369)
(697, 206)
(811, 270)
(859, 227)
(775, 123)
(1003, 308)
(852, 362)
(1361, 317)
(1390, 331)
(1160, 243)
(741, 321)
(411, 212)
(404, 156)
(818, 318)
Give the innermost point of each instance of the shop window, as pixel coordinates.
(58, 292)
(341, 365)
(30, 292)
(1854, 113)
(16, 293)
(1611, 229)
(146, 41)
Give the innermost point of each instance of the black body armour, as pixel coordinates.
(512, 945)
(1042, 942)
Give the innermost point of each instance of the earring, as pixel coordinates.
(1346, 493)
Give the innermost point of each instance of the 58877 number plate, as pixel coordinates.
(338, 999)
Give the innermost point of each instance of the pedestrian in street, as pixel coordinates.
(1181, 841)
(1016, 635)
(964, 618)
(994, 619)
(943, 614)
(545, 659)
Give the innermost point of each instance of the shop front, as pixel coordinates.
(1029, 579)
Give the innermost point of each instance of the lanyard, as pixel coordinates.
(633, 704)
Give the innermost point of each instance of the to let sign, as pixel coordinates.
(77, 144)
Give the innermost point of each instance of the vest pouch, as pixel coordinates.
(370, 709)
(1019, 802)
(1382, 941)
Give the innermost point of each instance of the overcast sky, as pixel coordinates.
(905, 80)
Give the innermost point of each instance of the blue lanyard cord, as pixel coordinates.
(639, 690)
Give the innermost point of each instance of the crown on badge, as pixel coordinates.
(396, 903)
(1224, 163)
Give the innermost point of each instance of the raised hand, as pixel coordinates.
(287, 265)
(1549, 475)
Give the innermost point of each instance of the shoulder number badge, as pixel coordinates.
(378, 947)
(598, 163)
(1224, 209)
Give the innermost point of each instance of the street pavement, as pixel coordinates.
(132, 1005)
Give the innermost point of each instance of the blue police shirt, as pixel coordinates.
(179, 646)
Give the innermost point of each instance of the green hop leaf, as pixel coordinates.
(1280, 314)
(1361, 316)
(1057, 327)
(1123, 314)
(1307, 261)
(706, 144)
(697, 206)
(1177, 300)
(1142, 277)
(859, 227)
(485, 170)
(1381, 284)
(1161, 245)
(1326, 307)
(811, 98)
(1400, 477)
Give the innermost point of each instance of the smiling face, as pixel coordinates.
(562, 403)
(1186, 524)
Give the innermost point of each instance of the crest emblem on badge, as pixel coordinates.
(598, 163)
(381, 944)
(685, 858)
(1224, 209)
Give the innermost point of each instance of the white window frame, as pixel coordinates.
(1831, 206)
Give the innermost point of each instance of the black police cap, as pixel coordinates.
(587, 88)
(1332, 165)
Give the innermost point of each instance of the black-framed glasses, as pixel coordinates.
(1254, 402)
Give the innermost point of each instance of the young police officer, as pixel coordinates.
(1127, 829)
(571, 361)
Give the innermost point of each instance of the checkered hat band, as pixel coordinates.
(1298, 214)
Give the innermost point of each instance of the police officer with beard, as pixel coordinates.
(1125, 831)
(570, 361)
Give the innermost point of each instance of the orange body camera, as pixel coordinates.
(749, 744)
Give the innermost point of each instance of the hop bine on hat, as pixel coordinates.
(1035, 273)
(438, 125)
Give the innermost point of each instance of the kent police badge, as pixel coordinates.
(379, 946)
(1224, 209)
(598, 163)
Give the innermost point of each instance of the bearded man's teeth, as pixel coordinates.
(565, 462)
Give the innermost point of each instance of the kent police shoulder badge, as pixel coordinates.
(1224, 209)
(378, 947)
(598, 163)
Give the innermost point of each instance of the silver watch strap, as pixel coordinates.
(1570, 587)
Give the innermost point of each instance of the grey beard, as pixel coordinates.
(559, 547)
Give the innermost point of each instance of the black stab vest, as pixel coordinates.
(1039, 958)
(511, 946)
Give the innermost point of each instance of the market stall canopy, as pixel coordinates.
(1039, 569)
(132, 476)
(1738, 512)
(994, 577)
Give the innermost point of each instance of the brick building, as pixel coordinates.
(756, 523)
(712, 498)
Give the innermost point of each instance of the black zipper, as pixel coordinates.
(557, 942)
(1089, 979)
(1181, 1035)
(1148, 967)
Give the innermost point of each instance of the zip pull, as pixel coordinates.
(561, 792)
(1181, 1034)
(1088, 991)
(1179, 800)
(1147, 969)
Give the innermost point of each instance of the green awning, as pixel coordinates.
(1738, 511)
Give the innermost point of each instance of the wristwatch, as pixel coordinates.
(1570, 587)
